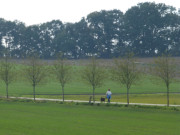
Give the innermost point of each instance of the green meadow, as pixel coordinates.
(28, 118)
(55, 118)
(142, 92)
(78, 86)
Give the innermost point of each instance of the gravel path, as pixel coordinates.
(81, 101)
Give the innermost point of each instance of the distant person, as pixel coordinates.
(108, 95)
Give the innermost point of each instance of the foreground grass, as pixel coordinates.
(70, 119)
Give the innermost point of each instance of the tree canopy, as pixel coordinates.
(146, 29)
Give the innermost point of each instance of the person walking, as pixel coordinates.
(108, 95)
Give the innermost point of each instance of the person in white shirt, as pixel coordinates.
(108, 95)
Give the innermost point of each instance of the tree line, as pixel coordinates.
(124, 71)
(146, 29)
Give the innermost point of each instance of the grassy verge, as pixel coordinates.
(77, 119)
(134, 98)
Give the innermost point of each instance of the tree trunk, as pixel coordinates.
(63, 93)
(168, 96)
(93, 94)
(7, 90)
(127, 96)
(34, 92)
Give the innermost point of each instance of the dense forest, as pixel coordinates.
(147, 29)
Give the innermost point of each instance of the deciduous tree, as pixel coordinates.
(7, 72)
(165, 68)
(62, 72)
(126, 72)
(94, 75)
(35, 72)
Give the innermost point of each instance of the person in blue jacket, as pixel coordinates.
(108, 95)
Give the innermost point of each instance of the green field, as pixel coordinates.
(77, 86)
(20, 118)
(145, 86)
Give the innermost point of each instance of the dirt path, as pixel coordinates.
(81, 101)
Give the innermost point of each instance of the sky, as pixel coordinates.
(40, 11)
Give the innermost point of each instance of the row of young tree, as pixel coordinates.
(124, 71)
(147, 29)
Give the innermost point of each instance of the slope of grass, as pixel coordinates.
(79, 87)
(49, 118)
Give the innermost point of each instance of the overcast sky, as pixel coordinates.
(40, 11)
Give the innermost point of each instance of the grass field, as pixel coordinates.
(77, 86)
(19, 118)
(146, 86)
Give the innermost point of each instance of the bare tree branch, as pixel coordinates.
(93, 75)
(126, 72)
(7, 72)
(165, 68)
(62, 71)
(35, 72)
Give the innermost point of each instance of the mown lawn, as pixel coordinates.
(79, 87)
(70, 119)
(22, 88)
